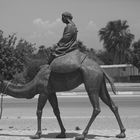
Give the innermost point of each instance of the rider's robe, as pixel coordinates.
(68, 41)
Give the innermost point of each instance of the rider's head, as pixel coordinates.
(66, 17)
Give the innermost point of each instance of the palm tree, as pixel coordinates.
(116, 39)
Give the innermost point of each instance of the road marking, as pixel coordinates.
(125, 93)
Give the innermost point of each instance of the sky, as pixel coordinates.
(39, 21)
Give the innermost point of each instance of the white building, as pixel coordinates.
(122, 72)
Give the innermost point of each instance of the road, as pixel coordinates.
(19, 116)
(19, 119)
(75, 111)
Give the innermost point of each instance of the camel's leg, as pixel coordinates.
(54, 103)
(94, 99)
(92, 80)
(41, 103)
(104, 95)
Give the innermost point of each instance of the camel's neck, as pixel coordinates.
(25, 91)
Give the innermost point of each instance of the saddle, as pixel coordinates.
(67, 63)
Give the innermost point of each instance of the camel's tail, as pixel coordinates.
(111, 82)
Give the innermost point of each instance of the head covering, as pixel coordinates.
(68, 15)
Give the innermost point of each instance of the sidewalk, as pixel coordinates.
(131, 134)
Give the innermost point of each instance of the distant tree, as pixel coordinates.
(105, 57)
(12, 54)
(90, 52)
(42, 52)
(136, 54)
(9, 64)
(24, 48)
(117, 39)
(82, 47)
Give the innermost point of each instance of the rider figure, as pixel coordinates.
(68, 41)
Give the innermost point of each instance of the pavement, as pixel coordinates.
(19, 121)
(131, 134)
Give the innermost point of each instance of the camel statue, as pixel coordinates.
(89, 73)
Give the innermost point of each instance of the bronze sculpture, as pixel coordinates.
(68, 42)
(46, 83)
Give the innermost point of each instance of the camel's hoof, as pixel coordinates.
(121, 135)
(80, 137)
(36, 136)
(61, 135)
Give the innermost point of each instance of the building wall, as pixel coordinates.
(122, 73)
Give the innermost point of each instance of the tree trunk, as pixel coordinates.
(116, 58)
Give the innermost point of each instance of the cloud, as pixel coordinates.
(41, 35)
(45, 38)
(35, 35)
(92, 26)
(46, 24)
(46, 28)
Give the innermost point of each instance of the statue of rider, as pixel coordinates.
(68, 42)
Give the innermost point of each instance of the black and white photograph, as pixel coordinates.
(70, 69)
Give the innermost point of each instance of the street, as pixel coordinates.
(76, 111)
(19, 117)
